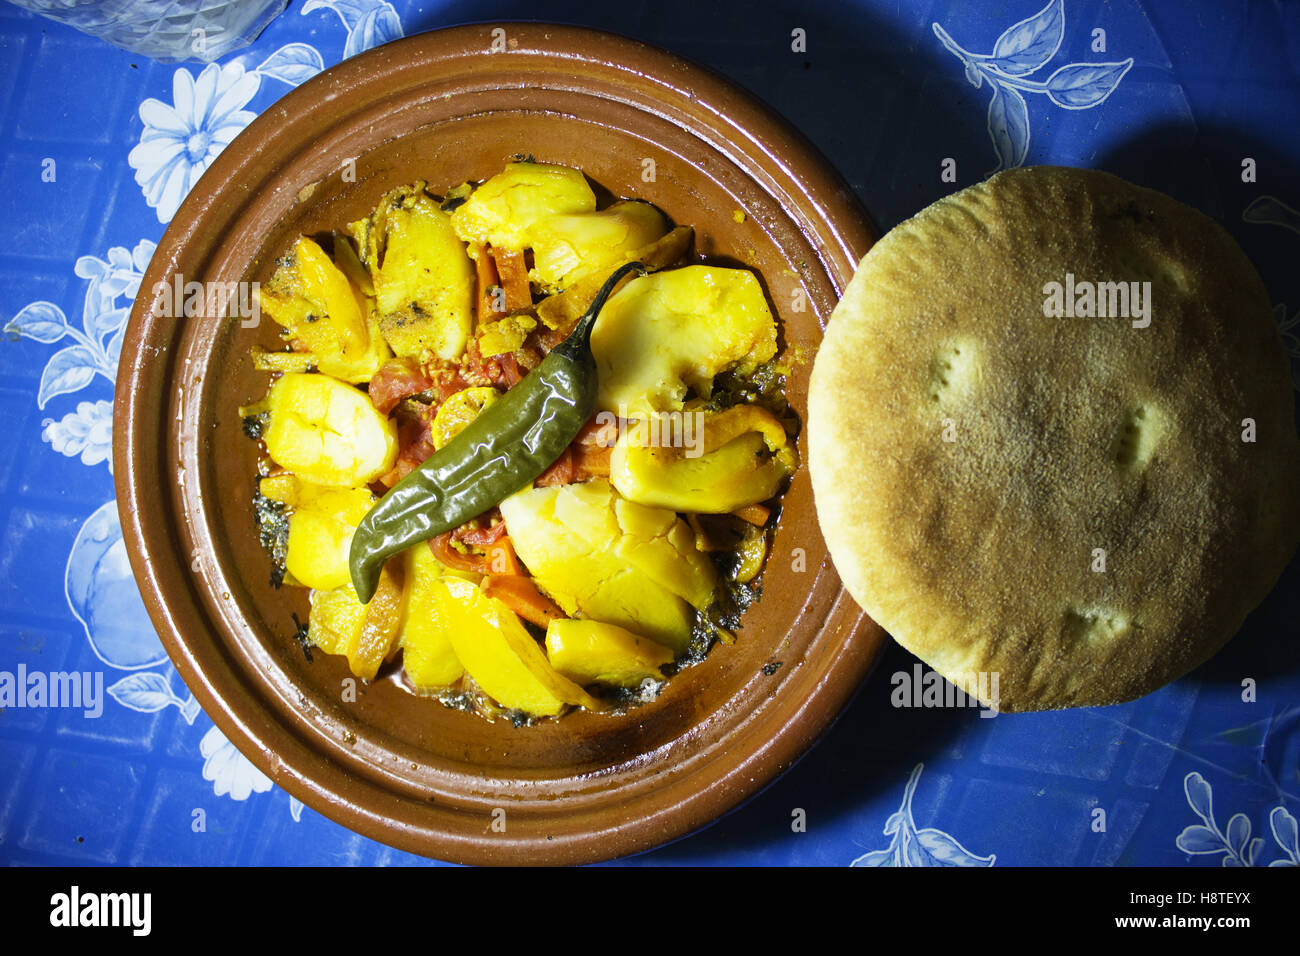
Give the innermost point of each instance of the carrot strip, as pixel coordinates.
(591, 461)
(599, 430)
(754, 514)
(501, 558)
(485, 271)
(561, 471)
(513, 271)
(520, 594)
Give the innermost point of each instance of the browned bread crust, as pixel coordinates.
(1074, 440)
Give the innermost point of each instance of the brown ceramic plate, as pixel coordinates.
(401, 769)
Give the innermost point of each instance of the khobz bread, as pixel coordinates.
(1087, 506)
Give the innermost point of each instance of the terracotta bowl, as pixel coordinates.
(401, 769)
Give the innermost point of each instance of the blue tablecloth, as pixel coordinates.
(97, 147)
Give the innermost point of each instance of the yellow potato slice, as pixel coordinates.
(501, 656)
(741, 457)
(567, 247)
(592, 652)
(640, 579)
(500, 212)
(327, 432)
(669, 331)
(376, 641)
(428, 657)
(320, 533)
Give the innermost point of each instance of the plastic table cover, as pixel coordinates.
(97, 148)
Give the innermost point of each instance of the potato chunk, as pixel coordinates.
(568, 247)
(320, 533)
(669, 331)
(422, 274)
(501, 212)
(428, 657)
(563, 309)
(502, 657)
(741, 457)
(611, 560)
(319, 306)
(336, 620)
(589, 652)
(377, 640)
(327, 432)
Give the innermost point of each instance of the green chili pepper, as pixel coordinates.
(510, 443)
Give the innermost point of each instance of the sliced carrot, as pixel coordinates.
(486, 272)
(513, 271)
(591, 461)
(754, 514)
(561, 471)
(601, 429)
(501, 558)
(520, 594)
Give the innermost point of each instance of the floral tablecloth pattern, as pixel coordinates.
(98, 148)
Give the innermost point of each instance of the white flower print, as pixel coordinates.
(229, 771)
(180, 141)
(87, 432)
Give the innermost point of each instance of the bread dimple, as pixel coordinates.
(1071, 434)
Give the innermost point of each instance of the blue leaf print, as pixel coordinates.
(1029, 44)
(67, 371)
(1198, 839)
(876, 858)
(293, 63)
(1009, 126)
(913, 852)
(378, 26)
(1023, 49)
(105, 321)
(943, 850)
(1199, 796)
(40, 321)
(146, 692)
(913, 847)
(1239, 833)
(369, 22)
(104, 597)
(349, 11)
(1256, 845)
(1285, 833)
(1236, 845)
(1081, 86)
(114, 348)
(91, 267)
(1272, 211)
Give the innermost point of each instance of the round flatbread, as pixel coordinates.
(1051, 436)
